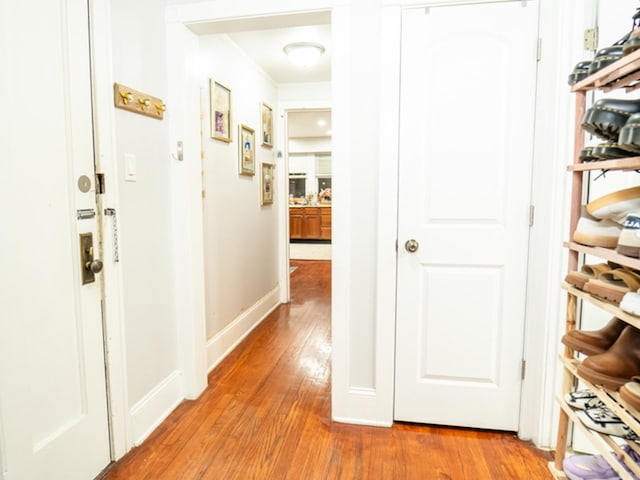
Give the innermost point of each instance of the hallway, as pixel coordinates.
(267, 415)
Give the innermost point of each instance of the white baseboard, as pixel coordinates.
(227, 339)
(155, 407)
(361, 406)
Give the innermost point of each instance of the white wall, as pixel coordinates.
(241, 236)
(144, 214)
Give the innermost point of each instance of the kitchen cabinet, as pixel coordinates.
(310, 223)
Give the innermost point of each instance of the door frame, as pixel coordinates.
(112, 310)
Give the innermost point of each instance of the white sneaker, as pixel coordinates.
(595, 232)
(630, 303)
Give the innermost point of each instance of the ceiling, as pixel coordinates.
(263, 38)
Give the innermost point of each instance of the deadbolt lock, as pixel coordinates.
(90, 265)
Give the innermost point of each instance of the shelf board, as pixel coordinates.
(620, 73)
(629, 163)
(605, 253)
(606, 306)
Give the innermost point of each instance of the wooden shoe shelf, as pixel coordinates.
(622, 75)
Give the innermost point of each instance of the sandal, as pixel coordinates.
(586, 273)
(614, 284)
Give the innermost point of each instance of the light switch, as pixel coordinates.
(129, 167)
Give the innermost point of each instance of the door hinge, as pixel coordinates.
(590, 41)
(100, 187)
(523, 369)
(539, 50)
(532, 213)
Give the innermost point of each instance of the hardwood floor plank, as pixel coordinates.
(267, 415)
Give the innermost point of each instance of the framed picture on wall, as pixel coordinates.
(267, 183)
(220, 111)
(266, 120)
(246, 150)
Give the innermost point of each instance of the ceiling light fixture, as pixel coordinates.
(304, 54)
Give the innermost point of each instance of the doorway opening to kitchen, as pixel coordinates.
(309, 193)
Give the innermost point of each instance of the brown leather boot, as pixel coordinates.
(617, 365)
(595, 341)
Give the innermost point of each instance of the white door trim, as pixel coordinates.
(113, 313)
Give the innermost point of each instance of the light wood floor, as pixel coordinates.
(267, 415)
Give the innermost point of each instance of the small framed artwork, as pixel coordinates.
(266, 190)
(266, 118)
(220, 111)
(247, 150)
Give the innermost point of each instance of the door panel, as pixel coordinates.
(53, 406)
(466, 123)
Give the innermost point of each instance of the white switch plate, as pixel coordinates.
(129, 167)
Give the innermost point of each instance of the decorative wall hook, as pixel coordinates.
(138, 102)
(126, 97)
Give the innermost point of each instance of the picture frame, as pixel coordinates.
(221, 126)
(266, 122)
(267, 183)
(246, 150)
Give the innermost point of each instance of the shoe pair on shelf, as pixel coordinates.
(606, 56)
(595, 467)
(612, 221)
(618, 123)
(607, 281)
(613, 353)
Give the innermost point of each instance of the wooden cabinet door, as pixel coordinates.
(325, 223)
(311, 226)
(295, 224)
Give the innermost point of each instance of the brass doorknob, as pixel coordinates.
(94, 265)
(411, 246)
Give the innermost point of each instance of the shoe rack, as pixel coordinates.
(623, 76)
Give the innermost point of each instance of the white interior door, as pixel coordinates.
(466, 129)
(53, 406)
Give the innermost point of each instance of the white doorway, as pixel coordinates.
(466, 130)
(53, 399)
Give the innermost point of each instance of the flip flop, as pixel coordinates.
(613, 285)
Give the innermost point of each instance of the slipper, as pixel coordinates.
(630, 303)
(613, 285)
(630, 392)
(603, 420)
(586, 273)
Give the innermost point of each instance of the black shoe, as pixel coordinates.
(605, 56)
(607, 116)
(609, 151)
(629, 137)
(586, 155)
(580, 72)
